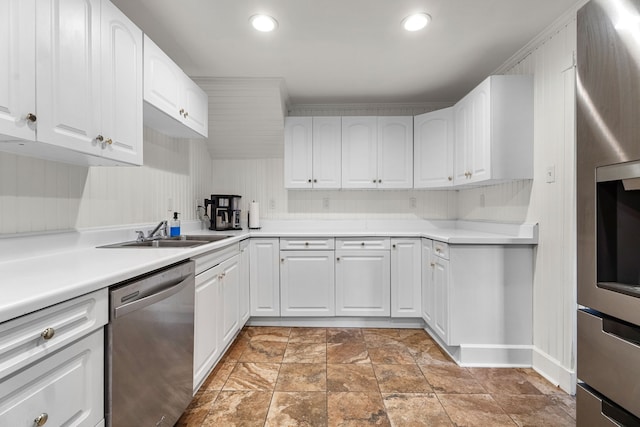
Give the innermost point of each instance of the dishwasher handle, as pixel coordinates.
(152, 289)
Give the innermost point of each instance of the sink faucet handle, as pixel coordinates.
(140, 237)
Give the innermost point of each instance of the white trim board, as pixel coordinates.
(553, 371)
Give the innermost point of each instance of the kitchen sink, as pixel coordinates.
(171, 242)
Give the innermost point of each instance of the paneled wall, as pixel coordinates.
(39, 195)
(552, 205)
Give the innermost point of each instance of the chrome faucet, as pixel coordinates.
(160, 232)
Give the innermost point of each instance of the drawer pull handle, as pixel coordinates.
(338, 259)
(306, 243)
(394, 246)
(433, 264)
(47, 334)
(41, 419)
(32, 117)
(362, 244)
(282, 260)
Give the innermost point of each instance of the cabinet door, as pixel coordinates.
(307, 283)
(68, 74)
(245, 312)
(433, 149)
(230, 297)
(196, 105)
(17, 68)
(359, 152)
(363, 283)
(395, 152)
(121, 86)
(406, 273)
(68, 386)
(327, 152)
(207, 345)
(463, 133)
(163, 81)
(441, 303)
(298, 152)
(264, 277)
(479, 154)
(428, 291)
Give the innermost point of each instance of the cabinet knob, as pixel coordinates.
(338, 259)
(315, 180)
(362, 244)
(379, 181)
(186, 113)
(48, 333)
(394, 246)
(281, 259)
(100, 138)
(181, 111)
(374, 181)
(450, 178)
(109, 141)
(309, 181)
(306, 243)
(31, 117)
(433, 264)
(41, 419)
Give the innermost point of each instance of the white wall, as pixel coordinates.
(39, 195)
(552, 205)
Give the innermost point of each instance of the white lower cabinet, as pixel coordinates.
(264, 277)
(245, 311)
(441, 310)
(307, 283)
(65, 388)
(428, 294)
(207, 344)
(230, 290)
(406, 273)
(363, 283)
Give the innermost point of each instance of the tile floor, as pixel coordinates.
(359, 377)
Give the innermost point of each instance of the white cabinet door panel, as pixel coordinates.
(17, 69)
(307, 285)
(206, 324)
(428, 293)
(433, 149)
(245, 311)
(230, 290)
(327, 152)
(395, 152)
(196, 104)
(162, 80)
(121, 86)
(406, 273)
(359, 152)
(298, 152)
(479, 154)
(363, 282)
(68, 73)
(441, 291)
(265, 277)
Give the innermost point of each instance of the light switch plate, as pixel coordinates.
(550, 176)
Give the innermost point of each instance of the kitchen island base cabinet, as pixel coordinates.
(65, 388)
(363, 283)
(307, 283)
(264, 277)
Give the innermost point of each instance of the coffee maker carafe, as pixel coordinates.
(225, 212)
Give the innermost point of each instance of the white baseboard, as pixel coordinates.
(338, 322)
(553, 371)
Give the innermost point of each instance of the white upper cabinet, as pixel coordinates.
(377, 152)
(121, 85)
(395, 152)
(494, 131)
(433, 141)
(70, 82)
(327, 152)
(17, 69)
(298, 152)
(174, 104)
(359, 152)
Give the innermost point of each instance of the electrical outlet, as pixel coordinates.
(325, 203)
(413, 202)
(272, 204)
(550, 175)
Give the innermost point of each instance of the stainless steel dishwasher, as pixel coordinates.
(150, 348)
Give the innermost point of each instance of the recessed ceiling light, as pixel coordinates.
(416, 22)
(264, 23)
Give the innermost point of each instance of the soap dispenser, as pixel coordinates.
(174, 225)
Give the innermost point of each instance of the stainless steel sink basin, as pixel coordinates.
(163, 243)
(171, 242)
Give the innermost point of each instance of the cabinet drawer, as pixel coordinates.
(441, 249)
(213, 258)
(22, 340)
(67, 388)
(359, 243)
(312, 243)
(593, 411)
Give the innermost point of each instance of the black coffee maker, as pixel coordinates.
(225, 212)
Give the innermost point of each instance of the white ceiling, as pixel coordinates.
(347, 51)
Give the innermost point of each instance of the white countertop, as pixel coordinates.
(41, 270)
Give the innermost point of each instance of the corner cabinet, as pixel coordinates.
(377, 152)
(173, 103)
(75, 92)
(264, 277)
(428, 294)
(433, 141)
(494, 132)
